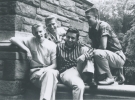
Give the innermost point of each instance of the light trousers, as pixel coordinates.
(105, 59)
(47, 82)
(72, 78)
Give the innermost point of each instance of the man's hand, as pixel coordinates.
(39, 73)
(89, 54)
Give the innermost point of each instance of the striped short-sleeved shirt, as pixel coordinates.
(67, 57)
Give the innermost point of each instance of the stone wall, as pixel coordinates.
(17, 16)
(16, 19)
(13, 71)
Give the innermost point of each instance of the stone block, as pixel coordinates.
(85, 27)
(77, 25)
(6, 35)
(78, 1)
(16, 69)
(85, 39)
(1, 75)
(82, 18)
(25, 10)
(70, 15)
(1, 64)
(22, 34)
(40, 18)
(48, 6)
(60, 11)
(63, 19)
(67, 4)
(7, 19)
(55, 2)
(80, 11)
(7, 27)
(16, 97)
(26, 28)
(3, 4)
(65, 24)
(11, 88)
(84, 34)
(35, 3)
(3, 10)
(43, 13)
(78, 5)
(12, 55)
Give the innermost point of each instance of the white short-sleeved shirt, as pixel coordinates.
(42, 53)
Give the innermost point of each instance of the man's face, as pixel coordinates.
(71, 39)
(52, 25)
(39, 33)
(91, 19)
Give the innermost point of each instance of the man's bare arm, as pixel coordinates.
(21, 44)
(103, 42)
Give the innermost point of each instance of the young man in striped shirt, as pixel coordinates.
(70, 67)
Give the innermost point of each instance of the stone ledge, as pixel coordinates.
(12, 55)
(103, 92)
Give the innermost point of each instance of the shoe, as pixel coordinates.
(93, 85)
(107, 81)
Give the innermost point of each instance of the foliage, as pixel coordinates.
(118, 13)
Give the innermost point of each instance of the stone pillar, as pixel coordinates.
(13, 71)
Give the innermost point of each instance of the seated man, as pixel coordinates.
(71, 72)
(54, 33)
(38, 51)
(108, 53)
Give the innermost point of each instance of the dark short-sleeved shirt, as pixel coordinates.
(66, 57)
(104, 29)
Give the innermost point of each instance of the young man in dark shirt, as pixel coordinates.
(108, 51)
(70, 65)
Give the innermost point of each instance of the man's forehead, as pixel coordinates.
(51, 21)
(89, 14)
(71, 34)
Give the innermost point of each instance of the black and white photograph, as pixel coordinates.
(67, 49)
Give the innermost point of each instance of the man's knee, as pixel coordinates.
(79, 86)
(52, 72)
(99, 53)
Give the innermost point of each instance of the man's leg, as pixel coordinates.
(72, 78)
(48, 83)
(104, 60)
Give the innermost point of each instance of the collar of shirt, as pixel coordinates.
(66, 47)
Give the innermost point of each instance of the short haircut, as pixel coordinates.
(49, 18)
(35, 26)
(94, 10)
(73, 30)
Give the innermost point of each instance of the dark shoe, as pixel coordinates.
(107, 81)
(93, 85)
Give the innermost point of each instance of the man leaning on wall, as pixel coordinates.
(40, 52)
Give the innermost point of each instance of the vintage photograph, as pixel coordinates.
(67, 49)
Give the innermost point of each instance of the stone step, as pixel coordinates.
(103, 92)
